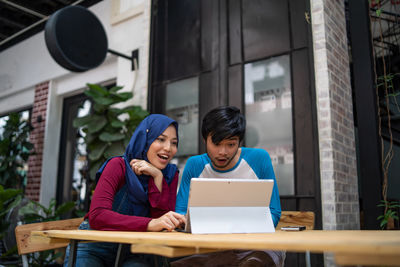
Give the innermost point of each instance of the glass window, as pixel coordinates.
(80, 160)
(182, 104)
(25, 117)
(73, 178)
(268, 101)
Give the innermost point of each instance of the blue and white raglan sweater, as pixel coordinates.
(253, 163)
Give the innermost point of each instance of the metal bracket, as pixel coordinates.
(134, 55)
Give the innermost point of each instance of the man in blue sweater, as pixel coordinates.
(223, 129)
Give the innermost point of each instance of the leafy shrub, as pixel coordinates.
(15, 149)
(108, 129)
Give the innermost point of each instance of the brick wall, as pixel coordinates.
(338, 165)
(339, 187)
(38, 118)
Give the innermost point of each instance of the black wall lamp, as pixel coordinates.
(77, 40)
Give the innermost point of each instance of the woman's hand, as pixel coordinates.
(140, 167)
(169, 221)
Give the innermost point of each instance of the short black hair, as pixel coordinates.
(223, 122)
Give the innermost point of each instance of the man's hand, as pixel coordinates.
(169, 221)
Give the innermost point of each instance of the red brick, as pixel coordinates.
(37, 138)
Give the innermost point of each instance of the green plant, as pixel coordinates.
(389, 98)
(390, 213)
(14, 151)
(387, 104)
(9, 198)
(35, 212)
(108, 129)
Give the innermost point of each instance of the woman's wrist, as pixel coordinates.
(150, 225)
(158, 179)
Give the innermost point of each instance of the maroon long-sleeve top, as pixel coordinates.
(101, 216)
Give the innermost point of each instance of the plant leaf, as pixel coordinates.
(82, 121)
(65, 207)
(111, 137)
(98, 151)
(15, 202)
(95, 166)
(117, 123)
(39, 205)
(29, 208)
(116, 149)
(116, 111)
(124, 96)
(97, 123)
(99, 108)
(115, 89)
(8, 194)
(96, 90)
(106, 101)
(90, 138)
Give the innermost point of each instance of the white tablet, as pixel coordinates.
(233, 205)
(234, 192)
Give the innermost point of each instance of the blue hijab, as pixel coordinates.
(145, 134)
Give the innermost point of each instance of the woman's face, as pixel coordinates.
(164, 148)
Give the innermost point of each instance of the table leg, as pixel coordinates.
(73, 246)
(308, 259)
(118, 257)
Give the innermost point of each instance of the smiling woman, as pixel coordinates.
(160, 152)
(163, 148)
(135, 192)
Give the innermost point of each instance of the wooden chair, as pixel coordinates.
(23, 235)
(294, 218)
(25, 244)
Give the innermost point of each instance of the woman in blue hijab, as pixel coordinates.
(134, 192)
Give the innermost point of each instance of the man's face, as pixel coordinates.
(223, 155)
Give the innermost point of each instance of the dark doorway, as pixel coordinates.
(72, 179)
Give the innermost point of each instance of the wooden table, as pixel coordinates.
(349, 247)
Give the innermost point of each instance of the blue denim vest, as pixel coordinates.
(121, 203)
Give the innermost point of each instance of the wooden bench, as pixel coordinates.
(294, 218)
(25, 244)
(23, 234)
